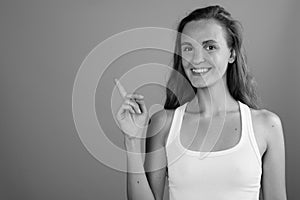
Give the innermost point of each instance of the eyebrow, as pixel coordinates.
(204, 42)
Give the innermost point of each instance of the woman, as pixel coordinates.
(244, 160)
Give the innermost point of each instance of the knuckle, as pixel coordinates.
(127, 101)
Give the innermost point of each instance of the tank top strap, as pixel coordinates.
(176, 123)
(249, 127)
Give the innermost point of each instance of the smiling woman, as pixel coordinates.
(243, 145)
(211, 56)
(210, 32)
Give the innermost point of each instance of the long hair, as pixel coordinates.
(240, 82)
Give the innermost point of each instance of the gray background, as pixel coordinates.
(43, 44)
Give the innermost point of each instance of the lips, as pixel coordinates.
(200, 71)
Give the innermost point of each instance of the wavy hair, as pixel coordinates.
(240, 82)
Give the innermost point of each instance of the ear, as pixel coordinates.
(232, 56)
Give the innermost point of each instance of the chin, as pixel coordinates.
(200, 84)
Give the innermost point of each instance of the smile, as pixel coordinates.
(200, 71)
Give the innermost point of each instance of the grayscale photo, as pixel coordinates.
(149, 100)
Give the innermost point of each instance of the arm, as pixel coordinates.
(155, 160)
(138, 186)
(273, 178)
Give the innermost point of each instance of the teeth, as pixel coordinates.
(200, 70)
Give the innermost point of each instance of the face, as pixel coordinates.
(205, 54)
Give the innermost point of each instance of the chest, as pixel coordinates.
(217, 134)
(218, 173)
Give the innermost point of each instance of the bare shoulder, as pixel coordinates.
(266, 119)
(160, 124)
(267, 127)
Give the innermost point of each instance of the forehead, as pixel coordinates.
(203, 30)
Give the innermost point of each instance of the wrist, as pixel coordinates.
(133, 144)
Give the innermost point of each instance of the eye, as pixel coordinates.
(210, 47)
(187, 48)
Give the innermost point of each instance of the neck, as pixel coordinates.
(213, 100)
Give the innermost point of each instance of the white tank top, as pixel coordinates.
(231, 174)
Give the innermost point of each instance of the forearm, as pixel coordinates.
(137, 183)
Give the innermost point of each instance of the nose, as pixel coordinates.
(198, 57)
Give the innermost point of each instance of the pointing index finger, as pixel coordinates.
(121, 88)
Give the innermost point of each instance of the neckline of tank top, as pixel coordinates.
(203, 154)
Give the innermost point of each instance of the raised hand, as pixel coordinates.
(132, 115)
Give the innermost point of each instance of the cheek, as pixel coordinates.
(186, 59)
(186, 69)
(221, 62)
(185, 63)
